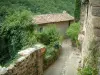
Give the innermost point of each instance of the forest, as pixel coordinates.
(36, 6)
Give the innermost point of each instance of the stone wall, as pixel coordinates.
(90, 21)
(30, 62)
(87, 30)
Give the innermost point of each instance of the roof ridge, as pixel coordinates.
(54, 17)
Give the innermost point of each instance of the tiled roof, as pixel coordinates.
(50, 18)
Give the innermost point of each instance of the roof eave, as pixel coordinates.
(54, 22)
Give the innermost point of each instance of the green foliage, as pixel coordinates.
(50, 55)
(94, 54)
(86, 71)
(49, 35)
(73, 31)
(51, 38)
(36, 6)
(17, 32)
(77, 10)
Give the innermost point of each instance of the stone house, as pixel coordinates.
(61, 20)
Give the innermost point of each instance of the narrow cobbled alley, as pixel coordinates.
(68, 61)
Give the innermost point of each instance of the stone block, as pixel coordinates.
(21, 59)
(26, 52)
(97, 39)
(97, 32)
(95, 2)
(96, 11)
(96, 22)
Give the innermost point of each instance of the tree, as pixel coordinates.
(77, 10)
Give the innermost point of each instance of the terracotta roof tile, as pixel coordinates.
(50, 18)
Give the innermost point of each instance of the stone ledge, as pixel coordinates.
(28, 51)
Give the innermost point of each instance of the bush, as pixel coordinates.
(86, 71)
(77, 10)
(51, 55)
(73, 31)
(17, 32)
(51, 38)
(49, 35)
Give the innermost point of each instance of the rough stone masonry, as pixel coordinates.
(30, 62)
(90, 21)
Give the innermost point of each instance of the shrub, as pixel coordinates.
(77, 10)
(50, 55)
(17, 32)
(73, 31)
(49, 35)
(50, 52)
(85, 71)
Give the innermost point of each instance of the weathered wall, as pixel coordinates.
(90, 21)
(61, 26)
(30, 62)
(87, 30)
